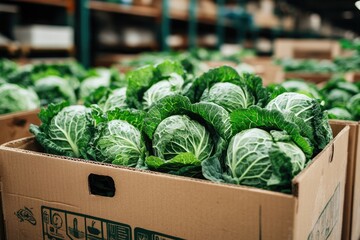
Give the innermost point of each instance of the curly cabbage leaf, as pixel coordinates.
(225, 87)
(179, 134)
(175, 127)
(267, 151)
(354, 106)
(161, 89)
(300, 86)
(65, 130)
(118, 137)
(14, 98)
(92, 83)
(53, 89)
(117, 99)
(150, 83)
(120, 143)
(308, 110)
(339, 113)
(229, 96)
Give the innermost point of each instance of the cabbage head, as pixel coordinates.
(92, 83)
(225, 87)
(14, 98)
(65, 130)
(53, 89)
(300, 86)
(148, 84)
(338, 92)
(107, 99)
(171, 86)
(249, 162)
(338, 98)
(118, 137)
(183, 135)
(308, 110)
(116, 99)
(229, 96)
(354, 106)
(266, 151)
(339, 113)
(179, 134)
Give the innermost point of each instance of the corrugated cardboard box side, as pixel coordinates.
(16, 125)
(304, 49)
(356, 76)
(351, 222)
(266, 69)
(315, 77)
(50, 197)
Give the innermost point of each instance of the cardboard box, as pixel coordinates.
(305, 49)
(351, 223)
(355, 76)
(49, 197)
(310, 77)
(16, 125)
(215, 64)
(266, 69)
(317, 78)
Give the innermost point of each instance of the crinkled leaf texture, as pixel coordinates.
(256, 157)
(65, 130)
(185, 164)
(179, 134)
(256, 117)
(339, 113)
(14, 98)
(118, 138)
(175, 127)
(267, 150)
(117, 99)
(354, 106)
(107, 99)
(92, 83)
(225, 87)
(149, 84)
(53, 89)
(300, 86)
(171, 86)
(307, 109)
(228, 95)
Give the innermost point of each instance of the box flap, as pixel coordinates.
(337, 126)
(16, 125)
(355, 231)
(323, 181)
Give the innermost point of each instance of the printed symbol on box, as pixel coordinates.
(75, 231)
(158, 237)
(52, 224)
(116, 232)
(142, 236)
(92, 229)
(25, 214)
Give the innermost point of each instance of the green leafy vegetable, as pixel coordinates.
(65, 130)
(14, 98)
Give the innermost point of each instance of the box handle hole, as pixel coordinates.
(101, 185)
(331, 153)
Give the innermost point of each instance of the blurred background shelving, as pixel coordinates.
(96, 31)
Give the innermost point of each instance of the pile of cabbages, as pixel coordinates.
(222, 126)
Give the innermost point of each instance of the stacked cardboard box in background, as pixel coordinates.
(16, 125)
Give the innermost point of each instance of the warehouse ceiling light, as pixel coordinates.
(357, 4)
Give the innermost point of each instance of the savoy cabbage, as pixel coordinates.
(14, 98)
